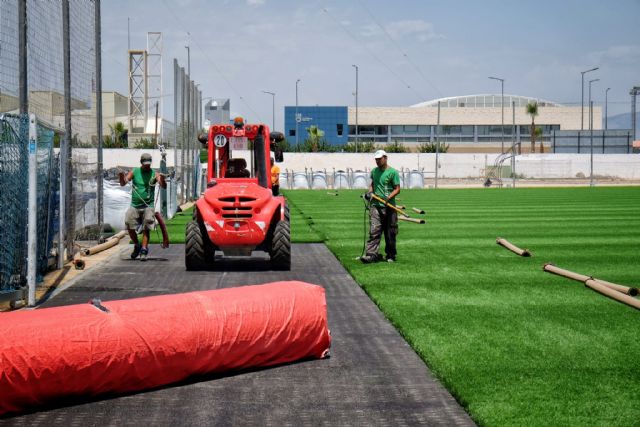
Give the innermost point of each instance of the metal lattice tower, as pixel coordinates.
(138, 100)
(154, 75)
(634, 92)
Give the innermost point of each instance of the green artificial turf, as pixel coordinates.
(175, 228)
(514, 345)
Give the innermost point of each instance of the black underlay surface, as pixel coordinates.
(373, 377)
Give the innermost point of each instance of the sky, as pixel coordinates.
(407, 51)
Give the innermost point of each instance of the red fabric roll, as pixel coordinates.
(83, 350)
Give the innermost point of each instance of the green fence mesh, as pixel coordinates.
(13, 218)
(14, 167)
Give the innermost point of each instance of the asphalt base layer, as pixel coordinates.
(373, 377)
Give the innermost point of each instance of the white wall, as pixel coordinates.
(452, 165)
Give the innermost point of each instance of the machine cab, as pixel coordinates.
(241, 151)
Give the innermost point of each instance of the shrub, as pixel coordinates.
(430, 147)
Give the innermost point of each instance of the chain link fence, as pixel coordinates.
(32, 79)
(14, 167)
(188, 123)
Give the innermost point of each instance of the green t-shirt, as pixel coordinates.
(383, 183)
(142, 191)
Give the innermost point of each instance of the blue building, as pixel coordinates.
(332, 120)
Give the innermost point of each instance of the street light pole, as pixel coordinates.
(297, 142)
(273, 108)
(356, 142)
(502, 105)
(590, 105)
(582, 100)
(606, 105)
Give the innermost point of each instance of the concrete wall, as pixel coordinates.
(452, 165)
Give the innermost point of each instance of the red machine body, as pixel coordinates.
(238, 213)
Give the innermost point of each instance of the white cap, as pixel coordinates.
(379, 154)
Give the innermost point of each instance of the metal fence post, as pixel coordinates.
(32, 233)
(22, 55)
(66, 141)
(98, 53)
(175, 128)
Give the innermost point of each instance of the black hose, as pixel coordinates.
(364, 222)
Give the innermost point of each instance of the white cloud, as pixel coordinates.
(417, 28)
(255, 2)
(616, 54)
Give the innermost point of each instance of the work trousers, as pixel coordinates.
(382, 220)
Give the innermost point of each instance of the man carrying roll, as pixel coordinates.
(141, 212)
(385, 183)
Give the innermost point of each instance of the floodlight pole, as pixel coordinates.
(591, 132)
(356, 142)
(437, 145)
(273, 108)
(606, 107)
(501, 105)
(297, 140)
(582, 101)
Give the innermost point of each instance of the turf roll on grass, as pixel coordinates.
(513, 248)
(550, 268)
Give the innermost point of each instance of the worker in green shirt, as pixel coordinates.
(385, 183)
(141, 212)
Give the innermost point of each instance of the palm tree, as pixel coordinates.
(316, 136)
(532, 110)
(118, 130)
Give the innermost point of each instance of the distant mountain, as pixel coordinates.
(623, 121)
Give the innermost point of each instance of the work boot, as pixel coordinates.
(368, 259)
(136, 251)
(143, 254)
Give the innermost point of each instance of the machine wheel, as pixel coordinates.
(281, 246)
(199, 253)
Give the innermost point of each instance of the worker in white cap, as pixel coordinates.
(385, 183)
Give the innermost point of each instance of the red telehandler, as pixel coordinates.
(238, 213)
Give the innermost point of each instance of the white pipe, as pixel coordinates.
(32, 238)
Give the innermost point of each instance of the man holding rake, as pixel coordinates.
(385, 184)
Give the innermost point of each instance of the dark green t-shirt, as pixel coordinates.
(142, 191)
(383, 183)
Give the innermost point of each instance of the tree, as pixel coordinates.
(532, 110)
(315, 138)
(539, 138)
(119, 135)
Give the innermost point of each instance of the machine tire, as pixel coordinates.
(198, 251)
(281, 247)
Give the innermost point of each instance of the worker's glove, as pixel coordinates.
(367, 196)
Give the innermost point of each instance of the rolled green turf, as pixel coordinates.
(515, 345)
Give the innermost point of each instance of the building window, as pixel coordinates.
(292, 132)
(339, 128)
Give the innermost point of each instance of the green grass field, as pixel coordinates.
(175, 228)
(514, 345)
